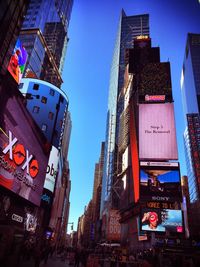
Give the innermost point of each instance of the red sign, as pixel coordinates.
(114, 227)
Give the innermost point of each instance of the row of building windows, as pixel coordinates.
(36, 109)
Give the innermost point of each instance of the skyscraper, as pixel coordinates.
(129, 28)
(190, 86)
(44, 34)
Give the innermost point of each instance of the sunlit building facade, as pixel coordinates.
(129, 27)
(44, 35)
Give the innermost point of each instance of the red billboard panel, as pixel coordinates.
(157, 132)
(113, 226)
(134, 154)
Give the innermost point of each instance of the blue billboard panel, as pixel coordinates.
(161, 220)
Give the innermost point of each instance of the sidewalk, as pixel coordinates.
(52, 262)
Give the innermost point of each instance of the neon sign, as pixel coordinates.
(19, 155)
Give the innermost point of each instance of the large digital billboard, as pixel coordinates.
(160, 183)
(51, 169)
(157, 133)
(18, 61)
(23, 158)
(161, 220)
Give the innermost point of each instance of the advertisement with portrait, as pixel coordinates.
(157, 132)
(18, 61)
(159, 183)
(161, 220)
(113, 227)
(23, 158)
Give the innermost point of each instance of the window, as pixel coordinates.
(61, 98)
(21, 85)
(44, 100)
(44, 127)
(52, 92)
(36, 109)
(35, 86)
(51, 115)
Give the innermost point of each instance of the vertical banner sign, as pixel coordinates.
(114, 227)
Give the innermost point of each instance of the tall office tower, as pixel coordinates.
(44, 34)
(129, 28)
(190, 86)
(148, 171)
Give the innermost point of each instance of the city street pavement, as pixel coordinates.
(52, 262)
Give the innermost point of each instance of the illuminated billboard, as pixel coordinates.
(18, 61)
(161, 220)
(51, 169)
(160, 183)
(157, 133)
(23, 158)
(154, 98)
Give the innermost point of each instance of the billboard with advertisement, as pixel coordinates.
(113, 226)
(161, 220)
(18, 61)
(51, 171)
(23, 158)
(157, 132)
(160, 183)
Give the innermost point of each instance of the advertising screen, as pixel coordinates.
(23, 159)
(18, 61)
(160, 184)
(157, 135)
(51, 169)
(161, 220)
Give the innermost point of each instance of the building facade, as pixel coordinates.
(45, 36)
(11, 15)
(148, 170)
(129, 27)
(190, 86)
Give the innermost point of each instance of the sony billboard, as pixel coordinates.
(157, 133)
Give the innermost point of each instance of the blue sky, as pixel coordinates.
(92, 33)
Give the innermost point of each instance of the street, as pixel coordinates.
(52, 262)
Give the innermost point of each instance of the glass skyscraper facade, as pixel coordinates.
(45, 36)
(129, 28)
(190, 86)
